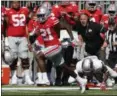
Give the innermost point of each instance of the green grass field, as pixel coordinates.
(39, 91)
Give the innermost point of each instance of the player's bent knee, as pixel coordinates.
(40, 55)
(13, 66)
(25, 63)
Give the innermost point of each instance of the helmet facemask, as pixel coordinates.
(112, 10)
(41, 18)
(112, 13)
(92, 7)
(43, 14)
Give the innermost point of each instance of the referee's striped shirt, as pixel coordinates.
(110, 38)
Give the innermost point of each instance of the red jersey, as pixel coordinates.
(56, 11)
(31, 25)
(95, 16)
(17, 22)
(72, 8)
(40, 40)
(48, 33)
(104, 20)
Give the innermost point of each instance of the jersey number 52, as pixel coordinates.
(18, 20)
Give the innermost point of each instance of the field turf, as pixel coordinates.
(54, 91)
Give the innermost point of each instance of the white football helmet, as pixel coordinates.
(43, 14)
(112, 10)
(91, 5)
(87, 65)
(47, 5)
(7, 54)
(8, 58)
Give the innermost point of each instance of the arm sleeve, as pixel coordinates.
(55, 21)
(30, 25)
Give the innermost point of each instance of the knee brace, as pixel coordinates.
(13, 66)
(25, 63)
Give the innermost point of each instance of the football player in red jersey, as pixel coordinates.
(16, 33)
(47, 26)
(111, 14)
(66, 12)
(49, 29)
(95, 14)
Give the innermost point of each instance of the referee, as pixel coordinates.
(111, 39)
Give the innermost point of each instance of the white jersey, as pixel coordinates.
(97, 64)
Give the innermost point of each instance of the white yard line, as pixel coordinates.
(44, 89)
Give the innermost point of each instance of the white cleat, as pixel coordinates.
(14, 81)
(83, 89)
(115, 87)
(28, 81)
(110, 82)
(71, 79)
(40, 82)
(47, 82)
(82, 83)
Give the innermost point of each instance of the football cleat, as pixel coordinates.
(28, 81)
(82, 83)
(39, 82)
(14, 81)
(71, 80)
(46, 82)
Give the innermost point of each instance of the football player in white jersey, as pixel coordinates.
(92, 66)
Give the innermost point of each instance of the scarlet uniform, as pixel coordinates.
(39, 44)
(48, 42)
(56, 11)
(72, 8)
(95, 16)
(17, 22)
(40, 40)
(105, 19)
(49, 35)
(31, 25)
